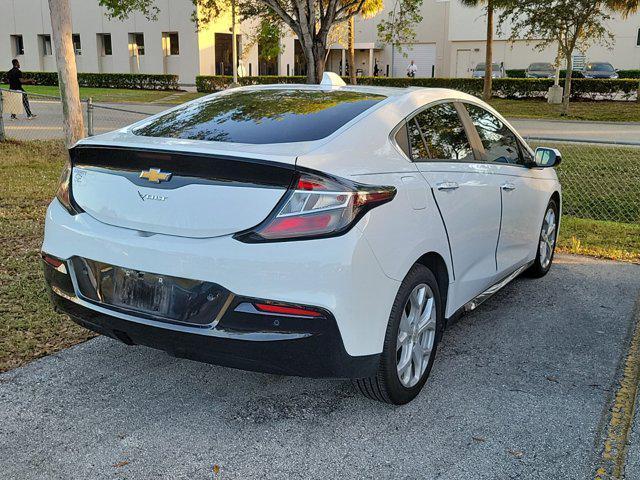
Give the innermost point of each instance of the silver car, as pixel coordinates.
(497, 71)
(540, 70)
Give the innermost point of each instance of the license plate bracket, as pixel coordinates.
(151, 295)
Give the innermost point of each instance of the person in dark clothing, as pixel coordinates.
(15, 83)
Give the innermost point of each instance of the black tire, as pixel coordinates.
(537, 269)
(386, 386)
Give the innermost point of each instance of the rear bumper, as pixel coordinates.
(256, 342)
(340, 274)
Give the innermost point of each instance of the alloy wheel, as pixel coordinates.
(547, 238)
(416, 335)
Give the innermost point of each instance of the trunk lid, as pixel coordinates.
(179, 193)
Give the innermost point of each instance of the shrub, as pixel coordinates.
(215, 83)
(629, 73)
(516, 73)
(582, 88)
(140, 81)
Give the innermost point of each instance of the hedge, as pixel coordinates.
(215, 83)
(629, 73)
(137, 81)
(582, 88)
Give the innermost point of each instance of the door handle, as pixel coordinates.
(508, 187)
(447, 186)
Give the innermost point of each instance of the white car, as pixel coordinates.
(313, 230)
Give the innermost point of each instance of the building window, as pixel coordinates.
(17, 45)
(104, 44)
(77, 46)
(170, 43)
(638, 40)
(136, 44)
(45, 45)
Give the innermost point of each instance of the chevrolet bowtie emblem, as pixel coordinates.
(155, 175)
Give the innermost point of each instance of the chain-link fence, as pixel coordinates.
(600, 181)
(45, 123)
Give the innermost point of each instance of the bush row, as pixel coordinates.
(215, 83)
(140, 81)
(582, 88)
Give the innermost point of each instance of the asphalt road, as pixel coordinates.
(521, 388)
(48, 124)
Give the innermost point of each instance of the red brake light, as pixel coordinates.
(300, 224)
(286, 310)
(318, 206)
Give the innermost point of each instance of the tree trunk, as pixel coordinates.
(311, 64)
(488, 70)
(73, 123)
(567, 84)
(352, 51)
(319, 52)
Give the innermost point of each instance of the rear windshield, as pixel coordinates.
(263, 116)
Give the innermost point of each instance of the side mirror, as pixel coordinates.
(547, 157)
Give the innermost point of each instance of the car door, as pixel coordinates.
(523, 196)
(465, 193)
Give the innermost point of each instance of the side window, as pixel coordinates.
(443, 134)
(500, 143)
(402, 140)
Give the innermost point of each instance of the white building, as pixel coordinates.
(449, 42)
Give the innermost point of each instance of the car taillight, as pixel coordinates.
(64, 190)
(318, 206)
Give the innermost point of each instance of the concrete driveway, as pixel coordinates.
(522, 388)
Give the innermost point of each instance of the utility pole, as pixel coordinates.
(234, 47)
(61, 31)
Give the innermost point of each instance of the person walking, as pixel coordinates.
(376, 69)
(15, 83)
(411, 70)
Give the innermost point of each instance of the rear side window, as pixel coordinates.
(263, 116)
(500, 144)
(438, 133)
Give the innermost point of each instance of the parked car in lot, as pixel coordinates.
(314, 230)
(540, 70)
(497, 71)
(599, 70)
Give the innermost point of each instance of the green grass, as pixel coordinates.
(30, 329)
(613, 240)
(107, 95)
(594, 111)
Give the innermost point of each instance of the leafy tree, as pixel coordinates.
(398, 28)
(310, 20)
(573, 24)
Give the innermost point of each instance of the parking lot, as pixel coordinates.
(522, 388)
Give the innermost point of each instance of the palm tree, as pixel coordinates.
(488, 61)
(370, 8)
